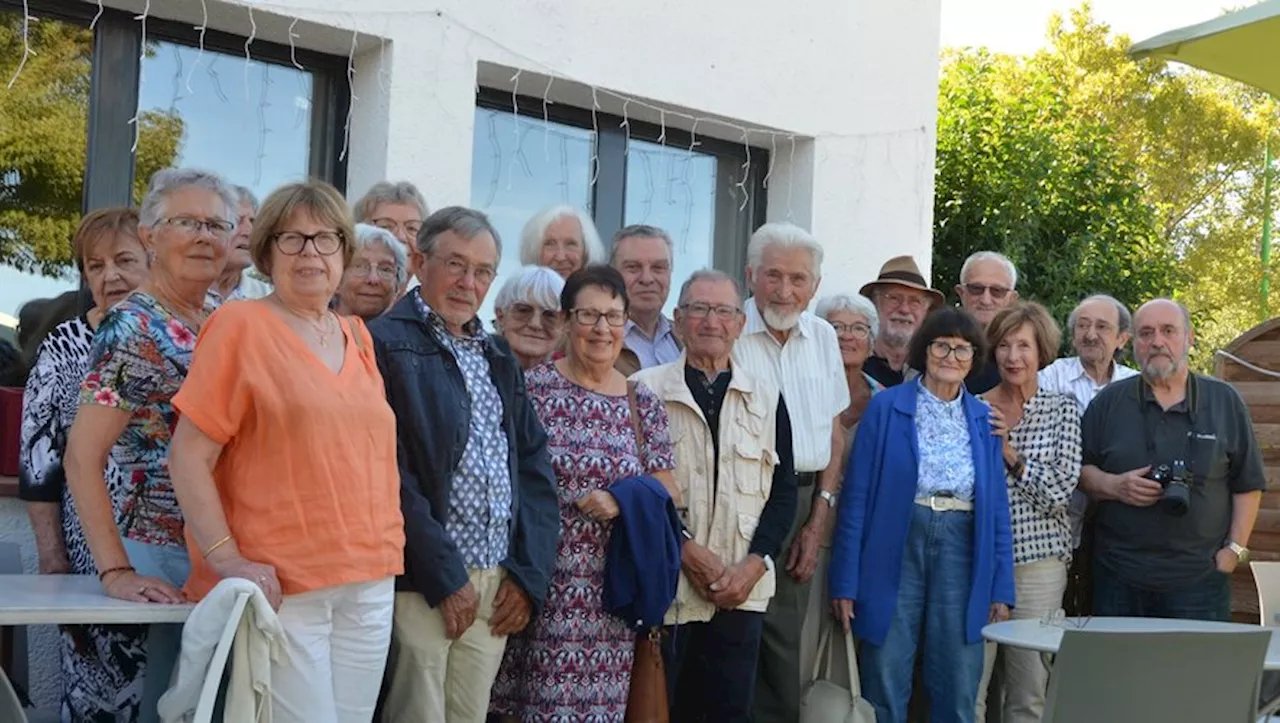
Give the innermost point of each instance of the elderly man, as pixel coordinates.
(800, 354)
(988, 283)
(642, 254)
(239, 280)
(736, 523)
(1172, 460)
(902, 298)
(477, 490)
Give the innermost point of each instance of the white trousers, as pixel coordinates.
(1024, 674)
(336, 641)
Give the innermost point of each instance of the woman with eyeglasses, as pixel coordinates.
(573, 661)
(139, 358)
(284, 462)
(528, 314)
(397, 207)
(922, 556)
(378, 270)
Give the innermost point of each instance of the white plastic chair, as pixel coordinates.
(1112, 677)
(1266, 576)
(218, 665)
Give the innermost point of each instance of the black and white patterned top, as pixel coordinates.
(1048, 438)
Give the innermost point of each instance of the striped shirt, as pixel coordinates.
(809, 370)
(1048, 438)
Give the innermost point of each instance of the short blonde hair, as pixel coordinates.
(388, 192)
(315, 198)
(1043, 327)
(100, 225)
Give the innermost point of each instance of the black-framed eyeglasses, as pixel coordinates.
(523, 313)
(941, 350)
(326, 243)
(591, 317)
(698, 310)
(192, 226)
(997, 292)
(857, 329)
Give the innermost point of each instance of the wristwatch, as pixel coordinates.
(768, 563)
(1242, 552)
(827, 497)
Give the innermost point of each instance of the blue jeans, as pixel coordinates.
(1208, 599)
(164, 642)
(711, 667)
(933, 598)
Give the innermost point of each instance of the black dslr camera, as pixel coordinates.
(1177, 487)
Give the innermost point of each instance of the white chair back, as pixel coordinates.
(1112, 677)
(10, 706)
(1266, 577)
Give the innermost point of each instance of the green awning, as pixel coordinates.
(1244, 45)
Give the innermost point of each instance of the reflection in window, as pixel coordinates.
(249, 121)
(674, 189)
(43, 132)
(520, 167)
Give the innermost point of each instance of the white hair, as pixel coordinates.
(246, 196)
(786, 236)
(535, 230)
(708, 275)
(999, 258)
(170, 180)
(536, 286)
(852, 304)
(368, 236)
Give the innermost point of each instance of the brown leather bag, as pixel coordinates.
(647, 699)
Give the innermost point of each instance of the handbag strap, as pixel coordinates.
(635, 423)
(855, 685)
(823, 655)
(356, 336)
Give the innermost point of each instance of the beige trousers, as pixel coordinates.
(435, 679)
(1038, 589)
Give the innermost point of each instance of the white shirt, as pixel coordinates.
(810, 373)
(1067, 375)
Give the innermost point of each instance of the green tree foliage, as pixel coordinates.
(1097, 173)
(43, 137)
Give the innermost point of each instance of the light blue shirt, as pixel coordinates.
(946, 457)
(661, 349)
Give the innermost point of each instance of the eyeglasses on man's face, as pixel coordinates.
(291, 243)
(941, 350)
(591, 317)
(997, 292)
(699, 310)
(897, 300)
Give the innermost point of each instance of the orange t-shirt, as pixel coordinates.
(307, 475)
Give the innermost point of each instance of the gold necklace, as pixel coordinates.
(323, 328)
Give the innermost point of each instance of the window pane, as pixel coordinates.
(43, 131)
(249, 121)
(520, 168)
(674, 190)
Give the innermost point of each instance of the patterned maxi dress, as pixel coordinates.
(573, 661)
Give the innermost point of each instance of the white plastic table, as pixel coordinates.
(73, 600)
(1047, 637)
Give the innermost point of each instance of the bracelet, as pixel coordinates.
(102, 576)
(216, 545)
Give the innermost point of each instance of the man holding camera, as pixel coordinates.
(1171, 458)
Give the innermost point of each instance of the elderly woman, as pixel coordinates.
(379, 269)
(239, 279)
(922, 545)
(276, 389)
(562, 238)
(398, 207)
(528, 314)
(1041, 449)
(100, 671)
(583, 403)
(140, 356)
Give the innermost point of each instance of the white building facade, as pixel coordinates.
(705, 117)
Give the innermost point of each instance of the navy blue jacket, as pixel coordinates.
(642, 564)
(429, 396)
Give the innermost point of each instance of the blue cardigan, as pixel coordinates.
(876, 507)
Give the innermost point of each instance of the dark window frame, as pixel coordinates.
(732, 228)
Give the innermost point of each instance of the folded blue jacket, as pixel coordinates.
(642, 563)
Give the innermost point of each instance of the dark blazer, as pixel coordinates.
(875, 515)
(429, 396)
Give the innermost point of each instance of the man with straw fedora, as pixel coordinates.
(902, 298)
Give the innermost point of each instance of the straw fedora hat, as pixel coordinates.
(902, 271)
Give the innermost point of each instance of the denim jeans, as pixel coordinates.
(711, 667)
(1206, 599)
(933, 597)
(164, 642)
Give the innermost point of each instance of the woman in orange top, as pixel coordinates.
(284, 463)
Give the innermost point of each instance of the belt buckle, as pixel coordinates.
(933, 503)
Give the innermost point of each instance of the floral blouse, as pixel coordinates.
(946, 459)
(139, 359)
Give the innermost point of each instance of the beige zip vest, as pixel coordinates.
(721, 517)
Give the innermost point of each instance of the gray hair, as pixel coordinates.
(851, 304)
(533, 285)
(244, 195)
(999, 258)
(388, 192)
(708, 275)
(170, 180)
(464, 222)
(1123, 317)
(368, 236)
(787, 236)
(639, 230)
(535, 230)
